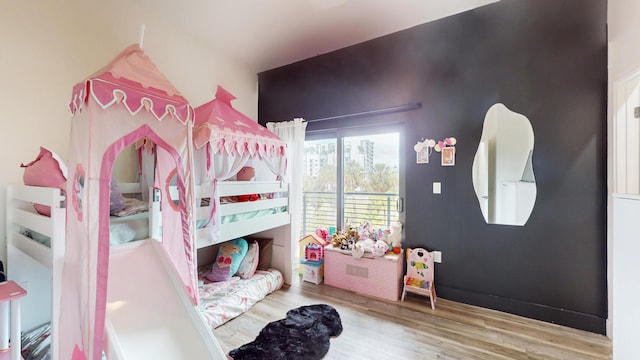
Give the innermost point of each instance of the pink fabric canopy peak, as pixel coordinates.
(132, 79)
(227, 129)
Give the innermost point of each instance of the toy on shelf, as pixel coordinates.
(323, 232)
(380, 248)
(365, 239)
(358, 250)
(395, 237)
(310, 238)
(314, 252)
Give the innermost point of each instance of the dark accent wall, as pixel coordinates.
(546, 59)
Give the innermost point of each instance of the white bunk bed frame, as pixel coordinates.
(22, 216)
(249, 226)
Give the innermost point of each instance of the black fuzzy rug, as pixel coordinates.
(304, 334)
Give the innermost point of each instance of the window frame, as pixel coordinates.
(339, 134)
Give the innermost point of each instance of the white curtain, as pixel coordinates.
(292, 132)
(214, 167)
(211, 168)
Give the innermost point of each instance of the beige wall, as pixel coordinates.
(48, 46)
(623, 29)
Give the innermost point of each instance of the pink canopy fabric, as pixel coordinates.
(132, 79)
(227, 129)
(225, 141)
(100, 130)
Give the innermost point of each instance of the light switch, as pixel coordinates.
(437, 188)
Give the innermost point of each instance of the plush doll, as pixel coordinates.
(365, 243)
(337, 238)
(380, 248)
(230, 255)
(247, 173)
(323, 232)
(396, 234)
(357, 251)
(350, 242)
(366, 231)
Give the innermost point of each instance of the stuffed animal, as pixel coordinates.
(357, 251)
(395, 237)
(367, 244)
(323, 232)
(350, 243)
(380, 248)
(366, 231)
(247, 173)
(230, 255)
(344, 244)
(337, 239)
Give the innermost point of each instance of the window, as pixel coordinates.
(352, 176)
(319, 190)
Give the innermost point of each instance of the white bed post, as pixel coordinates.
(58, 216)
(16, 340)
(155, 218)
(141, 37)
(10, 293)
(4, 306)
(4, 326)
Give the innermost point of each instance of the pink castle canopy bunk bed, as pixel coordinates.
(226, 141)
(129, 102)
(110, 288)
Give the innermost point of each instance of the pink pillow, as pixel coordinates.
(249, 264)
(46, 170)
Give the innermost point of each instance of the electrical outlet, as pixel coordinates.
(437, 188)
(437, 256)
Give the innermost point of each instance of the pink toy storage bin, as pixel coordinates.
(379, 277)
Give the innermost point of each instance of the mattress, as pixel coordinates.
(226, 219)
(128, 228)
(251, 214)
(223, 301)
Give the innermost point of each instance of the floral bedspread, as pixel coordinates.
(223, 301)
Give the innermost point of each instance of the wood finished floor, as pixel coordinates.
(379, 329)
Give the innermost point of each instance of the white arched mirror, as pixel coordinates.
(503, 176)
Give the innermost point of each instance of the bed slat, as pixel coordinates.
(33, 221)
(246, 227)
(39, 195)
(36, 250)
(21, 215)
(232, 188)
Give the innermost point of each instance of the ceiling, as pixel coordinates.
(265, 34)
